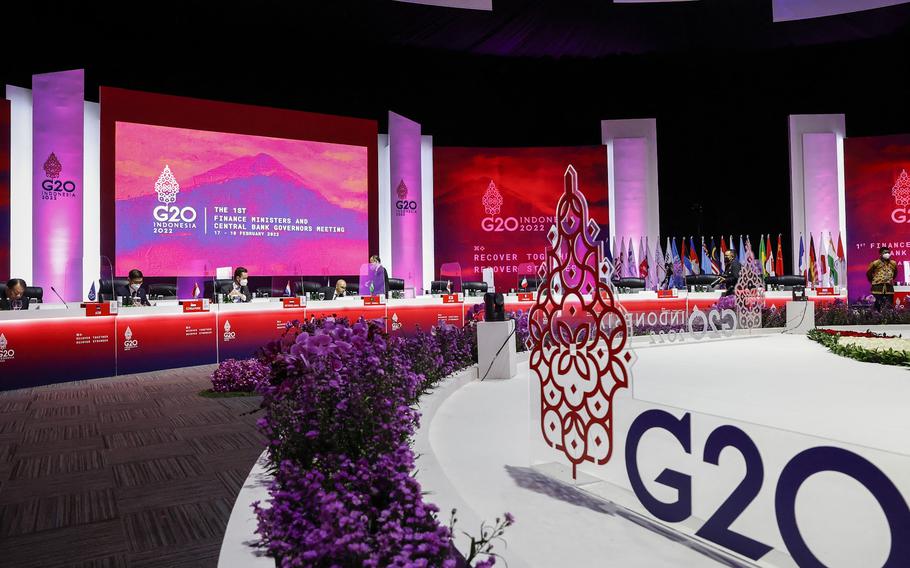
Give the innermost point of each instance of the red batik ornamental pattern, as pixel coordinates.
(578, 336)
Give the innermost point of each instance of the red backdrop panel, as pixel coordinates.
(4, 190)
(877, 186)
(494, 206)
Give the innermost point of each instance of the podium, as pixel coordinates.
(800, 317)
(490, 337)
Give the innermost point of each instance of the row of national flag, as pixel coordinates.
(688, 257)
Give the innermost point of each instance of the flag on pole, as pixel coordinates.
(770, 261)
(824, 274)
(742, 251)
(779, 267)
(705, 257)
(832, 261)
(813, 267)
(842, 260)
(750, 254)
(644, 265)
(621, 264)
(723, 253)
(762, 255)
(631, 263)
(196, 291)
(287, 288)
(660, 264)
(617, 260)
(677, 279)
(715, 263)
(686, 261)
(91, 292)
(693, 256)
(801, 267)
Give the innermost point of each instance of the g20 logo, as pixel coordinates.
(229, 335)
(68, 186)
(800, 468)
(174, 214)
(6, 354)
(901, 215)
(405, 205)
(499, 224)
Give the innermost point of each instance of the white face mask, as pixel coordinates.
(886, 256)
(134, 287)
(243, 281)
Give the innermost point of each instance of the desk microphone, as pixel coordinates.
(59, 297)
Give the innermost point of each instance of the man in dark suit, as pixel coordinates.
(240, 289)
(134, 294)
(15, 298)
(340, 291)
(380, 277)
(731, 272)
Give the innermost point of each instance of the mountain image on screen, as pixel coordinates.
(266, 188)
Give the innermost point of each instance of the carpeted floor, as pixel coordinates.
(133, 471)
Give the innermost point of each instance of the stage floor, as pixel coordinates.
(783, 381)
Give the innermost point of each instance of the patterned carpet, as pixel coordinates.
(134, 471)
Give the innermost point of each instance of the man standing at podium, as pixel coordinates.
(731, 272)
(15, 298)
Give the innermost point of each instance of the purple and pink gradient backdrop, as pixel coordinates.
(270, 177)
(530, 181)
(58, 116)
(872, 165)
(407, 233)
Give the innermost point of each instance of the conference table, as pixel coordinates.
(56, 344)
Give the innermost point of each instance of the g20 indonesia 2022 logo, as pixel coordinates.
(170, 216)
(492, 202)
(5, 352)
(228, 334)
(901, 193)
(128, 342)
(404, 206)
(52, 187)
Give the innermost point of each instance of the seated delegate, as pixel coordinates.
(15, 298)
(240, 290)
(134, 294)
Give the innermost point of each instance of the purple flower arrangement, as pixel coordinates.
(234, 375)
(339, 415)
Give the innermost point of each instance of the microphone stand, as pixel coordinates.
(59, 297)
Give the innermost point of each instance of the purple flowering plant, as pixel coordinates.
(239, 375)
(339, 415)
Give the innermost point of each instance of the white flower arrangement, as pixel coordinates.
(878, 343)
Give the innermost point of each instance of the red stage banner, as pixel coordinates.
(81, 348)
(493, 206)
(242, 333)
(165, 341)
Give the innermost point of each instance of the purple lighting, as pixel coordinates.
(404, 168)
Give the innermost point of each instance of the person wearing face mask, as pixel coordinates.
(15, 298)
(240, 290)
(134, 294)
(881, 274)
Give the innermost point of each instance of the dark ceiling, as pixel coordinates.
(719, 76)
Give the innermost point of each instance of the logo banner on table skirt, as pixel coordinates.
(407, 233)
(242, 333)
(57, 156)
(493, 207)
(408, 320)
(4, 190)
(44, 351)
(877, 185)
(149, 343)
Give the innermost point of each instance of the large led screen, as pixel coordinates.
(493, 207)
(187, 199)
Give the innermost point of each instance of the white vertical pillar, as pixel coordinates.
(20, 182)
(632, 171)
(816, 179)
(385, 207)
(426, 187)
